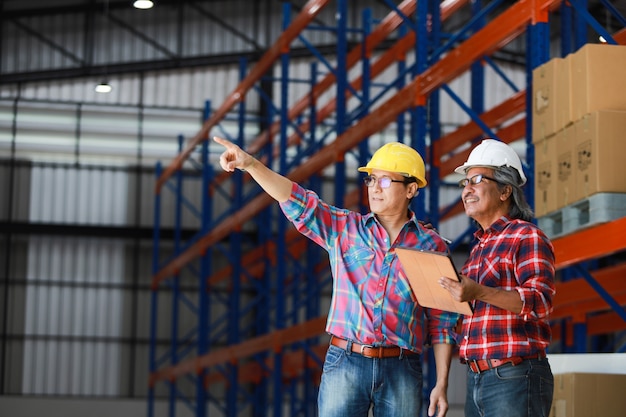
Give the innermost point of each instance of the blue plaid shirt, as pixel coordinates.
(372, 301)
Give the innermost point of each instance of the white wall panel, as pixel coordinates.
(84, 312)
(76, 310)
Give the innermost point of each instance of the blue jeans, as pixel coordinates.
(351, 383)
(523, 390)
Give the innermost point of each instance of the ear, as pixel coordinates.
(412, 190)
(507, 190)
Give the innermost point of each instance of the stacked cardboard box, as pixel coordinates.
(588, 395)
(579, 116)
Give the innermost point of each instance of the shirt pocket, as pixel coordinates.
(496, 272)
(357, 257)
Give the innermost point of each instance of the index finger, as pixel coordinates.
(222, 142)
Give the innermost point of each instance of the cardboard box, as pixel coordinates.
(551, 105)
(565, 174)
(600, 147)
(588, 395)
(597, 79)
(545, 176)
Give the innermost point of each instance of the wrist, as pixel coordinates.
(249, 165)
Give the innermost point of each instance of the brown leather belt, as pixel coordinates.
(482, 365)
(372, 351)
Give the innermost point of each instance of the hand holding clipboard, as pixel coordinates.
(424, 269)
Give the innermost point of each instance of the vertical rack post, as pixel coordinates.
(418, 110)
(434, 40)
(152, 365)
(175, 282)
(342, 85)
(205, 269)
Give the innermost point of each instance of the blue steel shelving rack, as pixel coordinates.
(276, 284)
(273, 292)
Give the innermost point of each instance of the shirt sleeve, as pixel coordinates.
(441, 327)
(535, 271)
(313, 217)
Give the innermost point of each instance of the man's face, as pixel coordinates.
(483, 201)
(392, 200)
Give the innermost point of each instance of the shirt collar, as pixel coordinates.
(496, 227)
(369, 217)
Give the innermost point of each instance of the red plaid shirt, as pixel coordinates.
(511, 255)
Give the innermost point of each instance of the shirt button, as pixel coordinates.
(466, 337)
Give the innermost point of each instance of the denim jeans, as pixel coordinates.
(351, 383)
(523, 390)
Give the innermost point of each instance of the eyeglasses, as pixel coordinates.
(476, 179)
(384, 182)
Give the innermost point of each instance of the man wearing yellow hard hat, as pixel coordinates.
(376, 325)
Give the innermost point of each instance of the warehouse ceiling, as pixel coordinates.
(31, 27)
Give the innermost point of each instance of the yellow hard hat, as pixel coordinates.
(400, 158)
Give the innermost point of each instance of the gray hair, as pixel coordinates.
(520, 209)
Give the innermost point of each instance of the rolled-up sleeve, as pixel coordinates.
(441, 327)
(535, 271)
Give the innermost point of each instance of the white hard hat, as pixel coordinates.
(492, 153)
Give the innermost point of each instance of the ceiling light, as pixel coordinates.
(104, 87)
(143, 4)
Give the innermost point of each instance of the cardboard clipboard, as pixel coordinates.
(423, 269)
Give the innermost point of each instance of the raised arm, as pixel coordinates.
(276, 185)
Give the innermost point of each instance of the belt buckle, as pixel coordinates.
(363, 347)
(475, 362)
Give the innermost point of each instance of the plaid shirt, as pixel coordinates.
(512, 255)
(372, 301)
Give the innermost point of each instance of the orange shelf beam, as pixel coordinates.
(598, 324)
(590, 243)
(270, 342)
(579, 290)
(577, 297)
(293, 363)
(620, 37)
(605, 323)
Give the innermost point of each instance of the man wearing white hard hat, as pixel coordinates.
(509, 280)
(376, 325)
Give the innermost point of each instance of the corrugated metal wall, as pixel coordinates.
(74, 297)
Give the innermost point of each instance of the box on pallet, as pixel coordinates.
(597, 79)
(588, 395)
(545, 176)
(565, 174)
(551, 107)
(600, 148)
